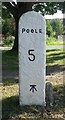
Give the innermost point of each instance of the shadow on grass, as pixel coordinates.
(54, 68)
(10, 81)
(59, 96)
(56, 60)
(9, 60)
(11, 108)
(10, 63)
(55, 56)
(53, 50)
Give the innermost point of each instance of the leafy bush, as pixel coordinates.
(9, 41)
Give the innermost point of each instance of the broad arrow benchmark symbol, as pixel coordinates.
(33, 88)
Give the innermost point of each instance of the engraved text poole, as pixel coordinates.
(31, 30)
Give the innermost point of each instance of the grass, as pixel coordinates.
(55, 57)
(11, 109)
(10, 60)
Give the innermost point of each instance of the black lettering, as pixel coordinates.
(27, 30)
(23, 30)
(32, 31)
(40, 30)
(31, 54)
(36, 31)
(33, 88)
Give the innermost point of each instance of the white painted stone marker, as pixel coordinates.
(32, 58)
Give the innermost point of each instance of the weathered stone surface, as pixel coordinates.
(49, 94)
(32, 58)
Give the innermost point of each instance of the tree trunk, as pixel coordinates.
(25, 8)
(15, 47)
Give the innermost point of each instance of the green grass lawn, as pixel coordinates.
(10, 60)
(55, 57)
(11, 109)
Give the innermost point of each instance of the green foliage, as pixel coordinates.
(8, 31)
(8, 27)
(9, 41)
(49, 30)
(5, 13)
(53, 41)
(11, 9)
(57, 26)
(48, 7)
(54, 27)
